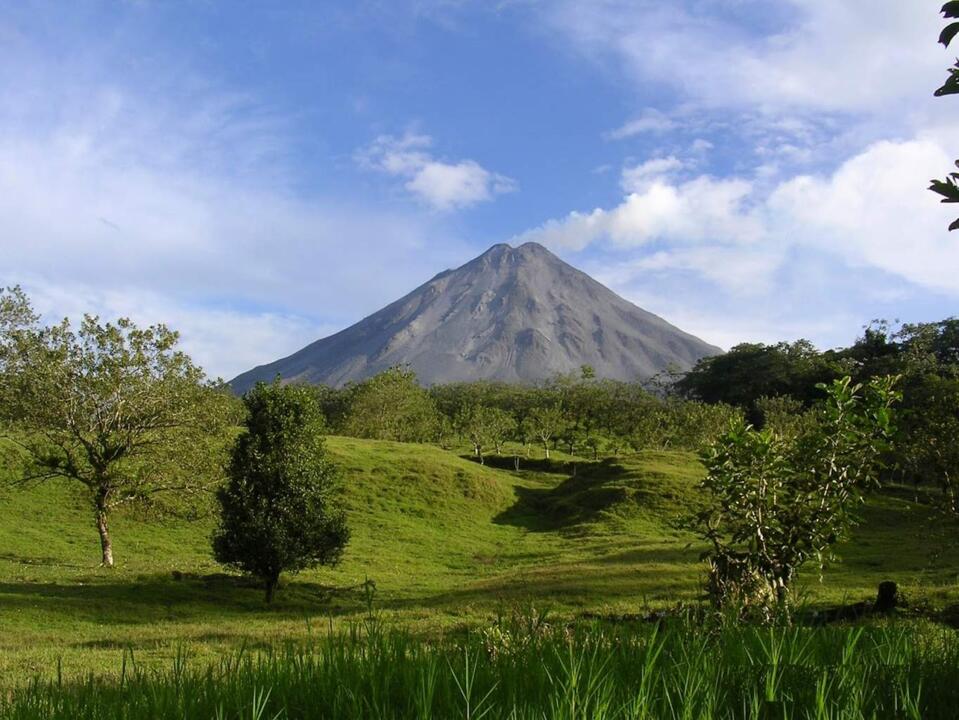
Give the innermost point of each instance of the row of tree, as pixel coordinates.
(780, 382)
(579, 413)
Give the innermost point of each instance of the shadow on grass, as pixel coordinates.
(38, 560)
(595, 488)
(159, 598)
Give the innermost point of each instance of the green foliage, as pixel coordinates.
(784, 415)
(545, 422)
(777, 500)
(484, 426)
(949, 188)
(750, 371)
(391, 406)
(280, 510)
(114, 407)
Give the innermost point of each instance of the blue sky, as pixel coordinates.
(258, 175)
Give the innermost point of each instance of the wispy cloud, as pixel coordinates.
(651, 121)
(179, 202)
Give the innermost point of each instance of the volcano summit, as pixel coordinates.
(511, 314)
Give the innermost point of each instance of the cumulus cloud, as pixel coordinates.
(873, 211)
(659, 209)
(441, 185)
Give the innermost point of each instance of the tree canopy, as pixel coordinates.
(117, 408)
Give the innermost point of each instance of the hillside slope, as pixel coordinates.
(512, 314)
(446, 541)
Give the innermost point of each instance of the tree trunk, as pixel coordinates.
(100, 512)
(546, 446)
(105, 545)
(269, 585)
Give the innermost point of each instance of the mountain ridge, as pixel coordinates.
(511, 314)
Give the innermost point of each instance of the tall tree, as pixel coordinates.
(949, 188)
(116, 408)
(280, 510)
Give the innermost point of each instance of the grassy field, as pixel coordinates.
(449, 543)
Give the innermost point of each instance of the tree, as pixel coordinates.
(949, 188)
(392, 406)
(483, 426)
(118, 409)
(775, 501)
(280, 510)
(545, 422)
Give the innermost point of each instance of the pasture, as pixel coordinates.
(450, 545)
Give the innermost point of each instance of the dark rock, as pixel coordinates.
(887, 598)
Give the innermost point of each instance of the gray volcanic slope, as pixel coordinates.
(512, 314)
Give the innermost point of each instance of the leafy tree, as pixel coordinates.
(483, 426)
(776, 501)
(280, 511)
(949, 188)
(752, 370)
(927, 448)
(114, 407)
(392, 406)
(544, 422)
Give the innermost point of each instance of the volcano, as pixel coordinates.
(517, 315)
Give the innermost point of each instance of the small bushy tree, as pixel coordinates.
(280, 510)
(545, 422)
(776, 500)
(483, 426)
(392, 406)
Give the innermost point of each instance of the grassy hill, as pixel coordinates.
(448, 543)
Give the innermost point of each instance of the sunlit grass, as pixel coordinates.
(449, 544)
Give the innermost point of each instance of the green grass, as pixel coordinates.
(449, 543)
(517, 670)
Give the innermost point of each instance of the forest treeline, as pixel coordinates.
(777, 385)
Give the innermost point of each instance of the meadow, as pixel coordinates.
(451, 546)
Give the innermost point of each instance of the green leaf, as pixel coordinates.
(951, 9)
(951, 86)
(948, 33)
(948, 189)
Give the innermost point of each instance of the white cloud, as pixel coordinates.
(696, 211)
(441, 185)
(639, 178)
(873, 211)
(828, 54)
(176, 204)
(226, 342)
(651, 121)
